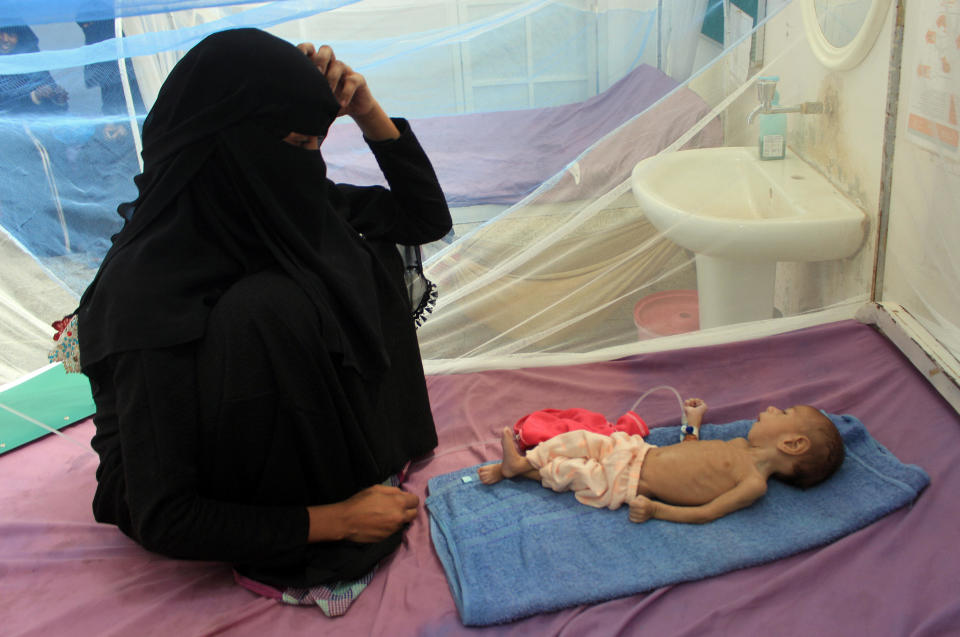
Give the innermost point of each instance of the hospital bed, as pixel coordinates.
(62, 573)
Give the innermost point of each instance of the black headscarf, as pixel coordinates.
(15, 89)
(222, 196)
(27, 41)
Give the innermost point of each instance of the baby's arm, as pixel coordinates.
(745, 493)
(693, 410)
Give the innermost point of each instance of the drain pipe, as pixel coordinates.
(889, 142)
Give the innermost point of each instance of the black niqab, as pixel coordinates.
(222, 196)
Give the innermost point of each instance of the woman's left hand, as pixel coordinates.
(349, 87)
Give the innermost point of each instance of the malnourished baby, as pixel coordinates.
(695, 481)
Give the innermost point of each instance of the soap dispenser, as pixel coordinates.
(773, 133)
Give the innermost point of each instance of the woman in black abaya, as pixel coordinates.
(248, 337)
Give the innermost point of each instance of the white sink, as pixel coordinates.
(740, 216)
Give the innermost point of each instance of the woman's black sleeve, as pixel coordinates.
(148, 479)
(413, 210)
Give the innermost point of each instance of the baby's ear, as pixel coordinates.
(794, 444)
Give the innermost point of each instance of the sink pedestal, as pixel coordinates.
(732, 291)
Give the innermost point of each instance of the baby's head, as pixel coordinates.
(804, 435)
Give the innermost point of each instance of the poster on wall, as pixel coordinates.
(933, 121)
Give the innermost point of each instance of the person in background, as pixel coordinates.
(106, 76)
(33, 92)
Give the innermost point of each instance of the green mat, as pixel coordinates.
(52, 397)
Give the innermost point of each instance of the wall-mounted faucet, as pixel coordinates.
(766, 89)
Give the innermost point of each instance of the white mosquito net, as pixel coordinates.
(534, 114)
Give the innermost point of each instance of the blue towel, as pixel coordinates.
(515, 548)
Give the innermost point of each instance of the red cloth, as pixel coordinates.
(542, 425)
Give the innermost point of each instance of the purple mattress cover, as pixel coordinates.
(498, 157)
(61, 572)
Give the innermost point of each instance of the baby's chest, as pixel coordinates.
(695, 477)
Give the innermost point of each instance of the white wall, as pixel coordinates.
(558, 54)
(923, 263)
(845, 144)
(920, 263)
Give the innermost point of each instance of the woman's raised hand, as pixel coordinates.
(352, 92)
(349, 87)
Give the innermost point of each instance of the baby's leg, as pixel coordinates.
(514, 463)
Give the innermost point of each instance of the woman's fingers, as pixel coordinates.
(307, 49)
(349, 87)
(321, 58)
(378, 512)
(336, 73)
(349, 83)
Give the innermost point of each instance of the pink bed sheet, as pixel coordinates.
(62, 573)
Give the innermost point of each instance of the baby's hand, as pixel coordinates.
(642, 509)
(694, 407)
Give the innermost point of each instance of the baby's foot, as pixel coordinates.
(513, 462)
(490, 473)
